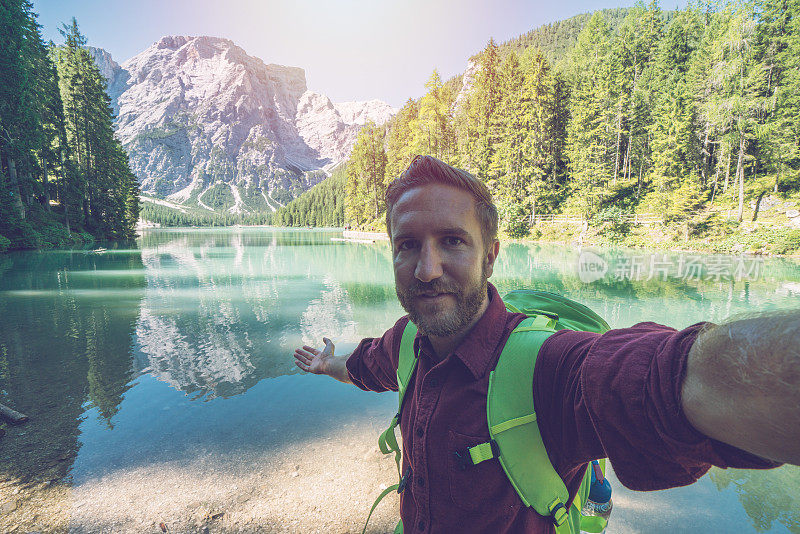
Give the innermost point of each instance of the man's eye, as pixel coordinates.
(453, 241)
(406, 245)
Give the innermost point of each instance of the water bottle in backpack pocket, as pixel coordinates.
(599, 503)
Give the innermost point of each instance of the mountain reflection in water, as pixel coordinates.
(216, 319)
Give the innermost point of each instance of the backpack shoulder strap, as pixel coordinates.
(387, 441)
(407, 360)
(512, 421)
(515, 438)
(515, 433)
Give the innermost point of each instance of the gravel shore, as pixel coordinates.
(322, 485)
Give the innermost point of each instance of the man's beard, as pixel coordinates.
(439, 323)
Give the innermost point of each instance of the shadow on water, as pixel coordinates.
(182, 349)
(269, 417)
(60, 353)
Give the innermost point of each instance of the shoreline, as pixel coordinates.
(653, 247)
(371, 236)
(356, 235)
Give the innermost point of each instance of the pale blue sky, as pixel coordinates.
(350, 49)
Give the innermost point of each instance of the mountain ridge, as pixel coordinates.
(200, 115)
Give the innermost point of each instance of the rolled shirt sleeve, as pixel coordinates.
(373, 364)
(618, 395)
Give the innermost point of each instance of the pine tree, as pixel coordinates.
(716, 147)
(778, 49)
(482, 125)
(545, 130)
(98, 180)
(366, 178)
(527, 152)
(20, 99)
(675, 149)
(589, 137)
(399, 149)
(431, 130)
(737, 84)
(32, 134)
(557, 140)
(508, 171)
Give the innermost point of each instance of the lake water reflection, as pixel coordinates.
(181, 348)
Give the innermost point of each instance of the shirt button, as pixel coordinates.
(420, 481)
(419, 432)
(434, 383)
(421, 525)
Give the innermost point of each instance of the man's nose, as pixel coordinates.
(429, 264)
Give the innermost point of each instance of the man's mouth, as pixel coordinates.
(430, 295)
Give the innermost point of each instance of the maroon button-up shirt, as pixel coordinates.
(615, 395)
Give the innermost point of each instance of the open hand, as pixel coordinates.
(314, 360)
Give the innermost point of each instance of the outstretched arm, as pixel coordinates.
(742, 385)
(322, 362)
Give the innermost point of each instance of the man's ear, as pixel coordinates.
(491, 255)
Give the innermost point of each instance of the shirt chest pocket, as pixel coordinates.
(480, 487)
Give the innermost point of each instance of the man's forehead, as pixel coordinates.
(444, 200)
(434, 208)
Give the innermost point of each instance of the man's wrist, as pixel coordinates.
(336, 367)
(326, 365)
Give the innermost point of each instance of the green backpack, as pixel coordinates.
(515, 438)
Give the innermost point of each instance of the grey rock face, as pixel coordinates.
(198, 114)
(467, 82)
(108, 67)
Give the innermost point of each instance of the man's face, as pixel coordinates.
(440, 261)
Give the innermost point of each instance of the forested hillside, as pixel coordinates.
(64, 177)
(693, 119)
(322, 205)
(176, 215)
(556, 39)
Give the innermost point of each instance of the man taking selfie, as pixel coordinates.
(662, 405)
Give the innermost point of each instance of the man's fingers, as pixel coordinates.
(307, 354)
(304, 357)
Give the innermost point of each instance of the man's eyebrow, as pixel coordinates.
(402, 236)
(453, 231)
(443, 231)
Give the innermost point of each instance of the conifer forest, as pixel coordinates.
(689, 119)
(64, 177)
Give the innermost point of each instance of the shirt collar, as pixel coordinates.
(478, 350)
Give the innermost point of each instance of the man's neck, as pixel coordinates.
(444, 346)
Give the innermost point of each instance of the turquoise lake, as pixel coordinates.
(180, 349)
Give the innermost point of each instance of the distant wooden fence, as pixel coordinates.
(644, 219)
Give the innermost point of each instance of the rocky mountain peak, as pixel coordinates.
(172, 42)
(203, 119)
(467, 81)
(359, 113)
(108, 67)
